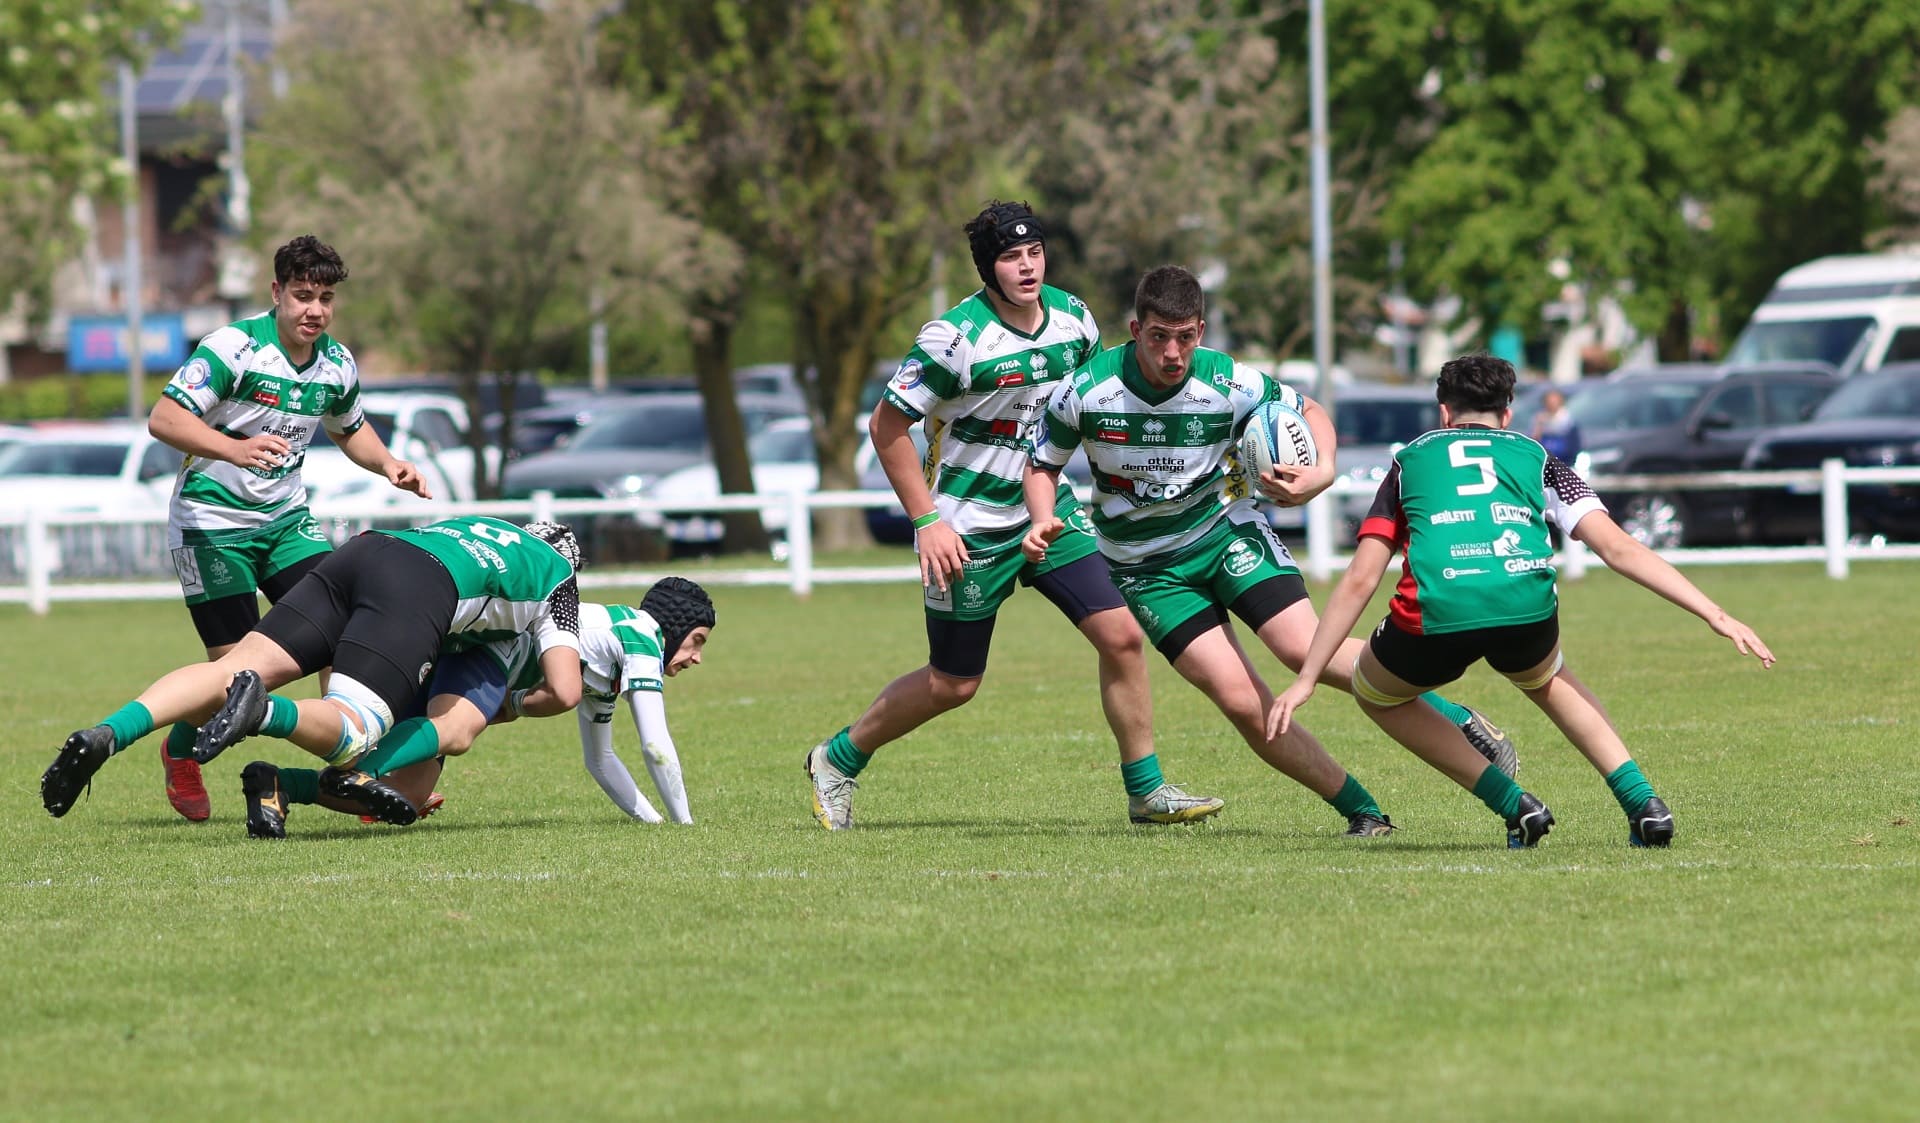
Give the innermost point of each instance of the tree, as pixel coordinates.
(481, 185)
(846, 139)
(1203, 159)
(1679, 155)
(57, 59)
(1896, 183)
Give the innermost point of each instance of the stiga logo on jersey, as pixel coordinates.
(1154, 431)
(1008, 373)
(1111, 429)
(1508, 513)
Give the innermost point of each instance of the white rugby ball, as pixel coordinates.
(1274, 435)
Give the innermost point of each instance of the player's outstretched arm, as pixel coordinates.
(606, 767)
(1625, 555)
(365, 448)
(1040, 487)
(1343, 611)
(649, 709)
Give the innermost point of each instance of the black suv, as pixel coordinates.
(1689, 420)
(1872, 421)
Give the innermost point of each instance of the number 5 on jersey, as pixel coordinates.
(1461, 455)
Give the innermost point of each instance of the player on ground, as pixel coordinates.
(623, 652)
(1158, 418)
(1468, 507)
(378, 611)
(979, 377)
(243, 409)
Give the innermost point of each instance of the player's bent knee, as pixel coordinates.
(364, 718)
(950, 692)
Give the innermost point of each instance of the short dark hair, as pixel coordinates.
(1171, 293)
(307, 258)
(1475, 384)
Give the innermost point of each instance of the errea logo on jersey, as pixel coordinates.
(1153, 430)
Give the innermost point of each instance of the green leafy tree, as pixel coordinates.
(844, 140)
(57, 61)
(479, 182)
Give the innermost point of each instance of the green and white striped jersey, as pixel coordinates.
(241, 383)
(981, 385)
(505, 578)
(620, 651)
(1160, 458)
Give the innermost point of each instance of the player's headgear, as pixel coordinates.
(678, 606)
(998, 229)
(560, 537)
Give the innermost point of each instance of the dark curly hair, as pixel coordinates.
(307, 258)
(1475, 384)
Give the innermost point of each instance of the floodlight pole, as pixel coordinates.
(1320, 205)
(130, 247)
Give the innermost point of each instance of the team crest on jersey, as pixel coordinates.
(972, 595)
(220, 571)
(196, 374)
(1196, 428)
(910, 374)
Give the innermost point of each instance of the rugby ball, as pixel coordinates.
(1276, 434)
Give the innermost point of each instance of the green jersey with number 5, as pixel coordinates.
(505, 578)
(1468, 507)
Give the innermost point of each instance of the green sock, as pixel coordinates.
(1497, 790)
(300, 785)
(1630, 787)
(282, 716)
(1143, 775)
(1452, 711)
(410, 742)
(1355, 800)
(842, 755)
(129, 723)
(180, 740)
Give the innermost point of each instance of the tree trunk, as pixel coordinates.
(840, 321)
(1676, 335)
(712, 338)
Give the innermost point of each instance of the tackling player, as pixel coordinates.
(379, 610)
(1468, 507)
(979, 377)
(243, 408)
(623, 652)
(1158, 418)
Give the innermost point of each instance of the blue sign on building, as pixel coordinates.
(100, 342)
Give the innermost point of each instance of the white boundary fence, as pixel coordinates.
(39, 556)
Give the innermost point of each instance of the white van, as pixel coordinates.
(1856, 312)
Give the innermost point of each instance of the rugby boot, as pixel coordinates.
(1526, 829)
(1652, 825)
(374, 796)
(832, 790)
(427, 807)
(1364, 825)
(1490, 741)
(1168, 804)
(72, 771)
(244, 712)
(185, 788)
(266, 804)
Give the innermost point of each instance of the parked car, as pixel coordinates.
(1688, 421)
(784, 460)
(11, 435)
(429, 429)
(1872, 420)
(1854, 312)
(1371, 422)
(629, 445)
(112, 467)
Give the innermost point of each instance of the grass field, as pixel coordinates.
(994, 941)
